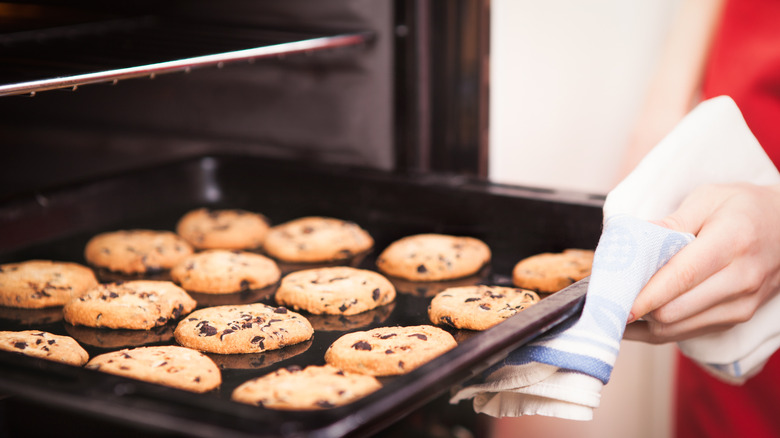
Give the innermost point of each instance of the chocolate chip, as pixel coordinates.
(339, 373)
(419, 336)
(401, 364)
(196, 379)
(422, 269)
(294, 368)
(447, 320)
(335, 279)
(206, 329)
(113, 295)
(468, 300)
(245, 284)
(375, 294)
(362, 345)
(484, 306)
(387, 336)
(258, 340)
(325, 404)
(20, 345)
(280, 310)
(389, 351)
(343, 307)
(225, 332)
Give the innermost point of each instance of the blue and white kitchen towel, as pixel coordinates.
(562, 374)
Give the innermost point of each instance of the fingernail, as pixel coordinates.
(630, 318)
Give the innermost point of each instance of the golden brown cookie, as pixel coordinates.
(388, 351)
(551, 272)
(36, 284)
(223, 229)
(311, 388)
(338, 290)
(220, 271)
(169, 365)
(478, 307)
(316, 239)
(44, 345)
(136, 251)
(248, 328)
(136, 305)
(432, 257)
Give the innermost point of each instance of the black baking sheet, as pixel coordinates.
(56, 224)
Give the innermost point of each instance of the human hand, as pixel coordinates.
(721, 278)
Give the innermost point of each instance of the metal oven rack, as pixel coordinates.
(113, 50)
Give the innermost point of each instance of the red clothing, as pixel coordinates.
(744, 64)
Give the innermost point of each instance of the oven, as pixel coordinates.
(375, 111)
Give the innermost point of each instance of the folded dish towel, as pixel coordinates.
(562, 374)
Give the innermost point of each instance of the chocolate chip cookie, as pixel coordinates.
(36, 284)
(432, 257)
(223, 229)
(137, 305)
(388, 351)
(316, 239)
(478, 307)
(551, 272)
(219, 271)
(136, 251)
(314, 387)
(336, 291)
(44, 345)
(169, 365)
(249, 328)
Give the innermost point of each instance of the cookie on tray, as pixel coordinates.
(219, 271)
(314, 387)
(36, 284)
(551, 272)
(223, 229)
(248, 328)
(433, 257)
(136, 251)
(316, 239)
(44, 345)
(168, 365)
(478, 307)
(136, 305)
(387, 351)
(338, 290)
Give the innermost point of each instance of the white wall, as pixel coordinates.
(567, 80)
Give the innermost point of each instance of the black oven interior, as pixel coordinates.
(409, 95)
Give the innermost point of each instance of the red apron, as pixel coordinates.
(744, 64)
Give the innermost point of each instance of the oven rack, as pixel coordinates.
(108, 51)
